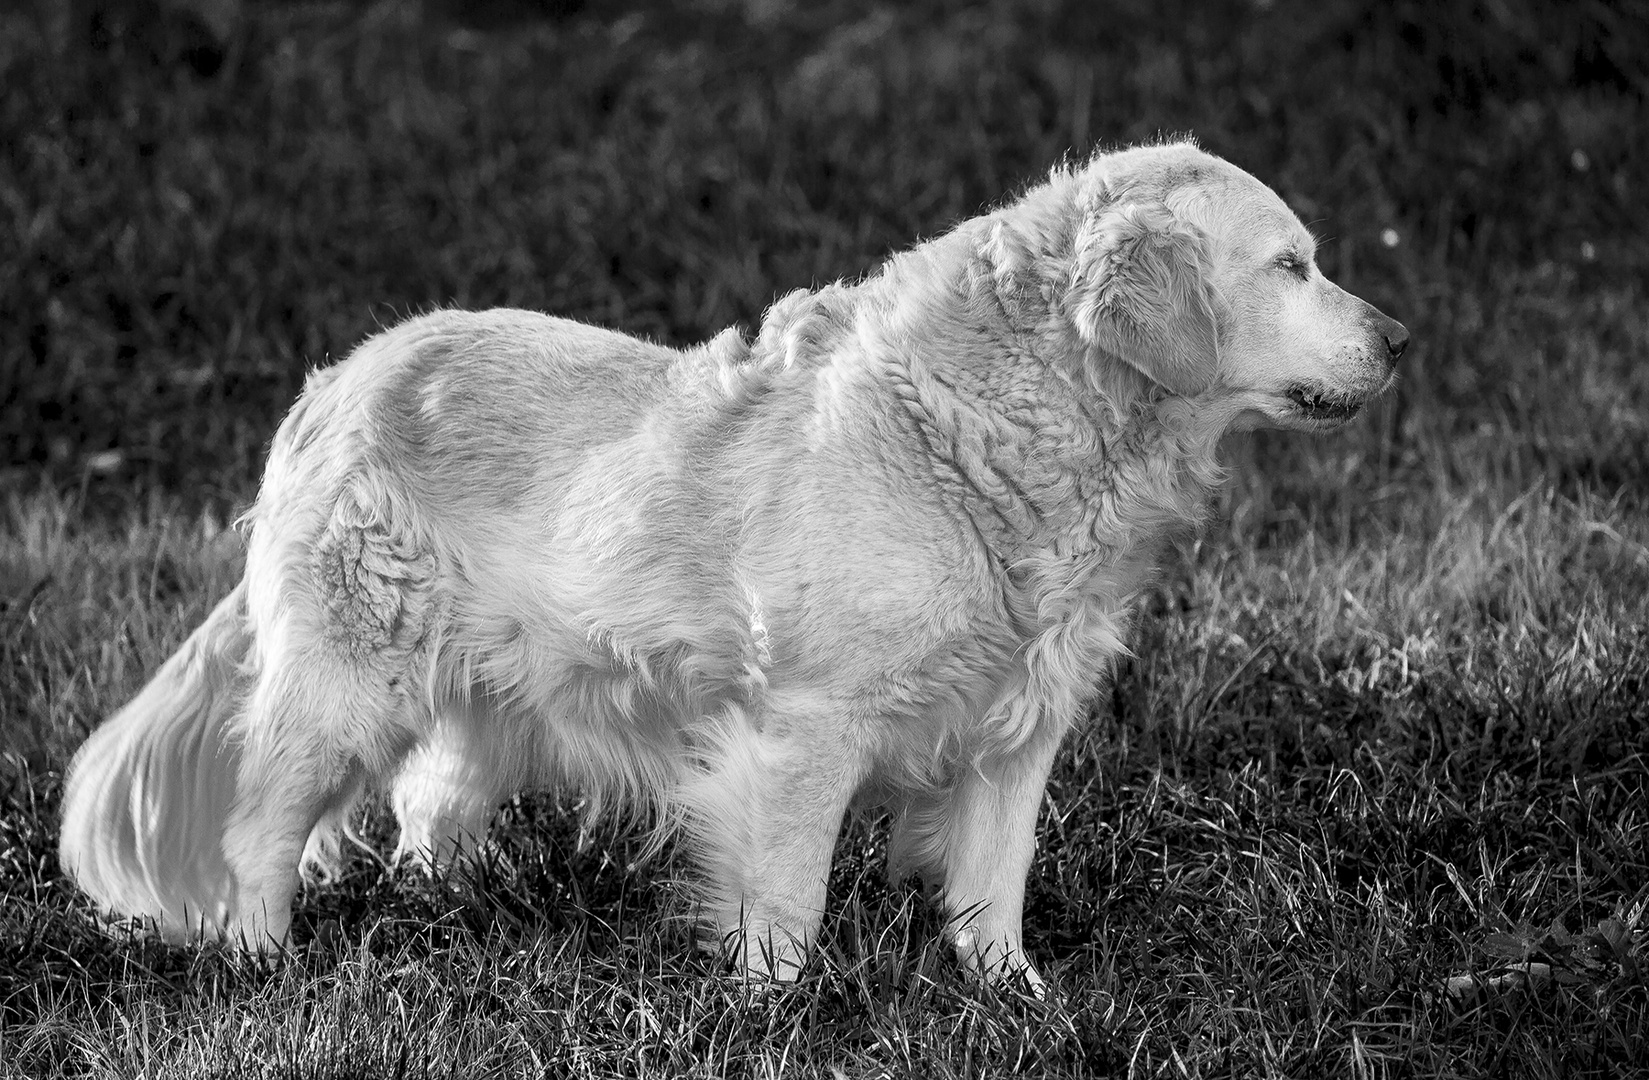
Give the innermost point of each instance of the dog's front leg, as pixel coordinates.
(764, 816)
(989, 837)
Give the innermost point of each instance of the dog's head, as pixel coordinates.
(1198, 275)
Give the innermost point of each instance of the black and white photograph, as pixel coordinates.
(762, 538)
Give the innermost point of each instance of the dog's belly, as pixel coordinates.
(613, 708)
(613, 692)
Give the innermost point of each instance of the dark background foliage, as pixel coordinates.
(196, 221)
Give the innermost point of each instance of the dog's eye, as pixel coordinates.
(1294, 265)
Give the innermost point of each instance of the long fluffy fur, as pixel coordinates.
(145, 804)
(886, 550)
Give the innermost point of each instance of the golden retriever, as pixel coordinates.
(885, 552)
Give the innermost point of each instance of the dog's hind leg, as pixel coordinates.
(339, 699)
(294, 769)
(324, 859)
(449, 787)
(764, 815)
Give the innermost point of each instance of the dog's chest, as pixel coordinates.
(1070, 586)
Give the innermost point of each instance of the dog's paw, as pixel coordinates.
(323, 859)
(998, 963)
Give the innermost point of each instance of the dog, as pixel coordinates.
(886, 552)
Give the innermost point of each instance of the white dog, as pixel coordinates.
(885, 552)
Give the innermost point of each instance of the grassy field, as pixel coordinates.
(1372, 800)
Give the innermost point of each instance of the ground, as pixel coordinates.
(1372, 798)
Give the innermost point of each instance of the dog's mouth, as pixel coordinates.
(1321, 407)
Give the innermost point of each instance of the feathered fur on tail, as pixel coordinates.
(148, 794)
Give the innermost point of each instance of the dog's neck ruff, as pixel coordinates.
(1093, 487)
(1071, 468)
(1061, 454)
(1066, 455)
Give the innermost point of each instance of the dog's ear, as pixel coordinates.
(1141, 291)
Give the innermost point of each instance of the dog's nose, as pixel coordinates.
(1397, 339)
(1395, 335)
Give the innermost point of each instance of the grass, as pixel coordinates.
(1373, 797)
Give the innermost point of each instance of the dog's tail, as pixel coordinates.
(148, 795)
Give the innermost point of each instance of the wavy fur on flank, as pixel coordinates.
(887, 552)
